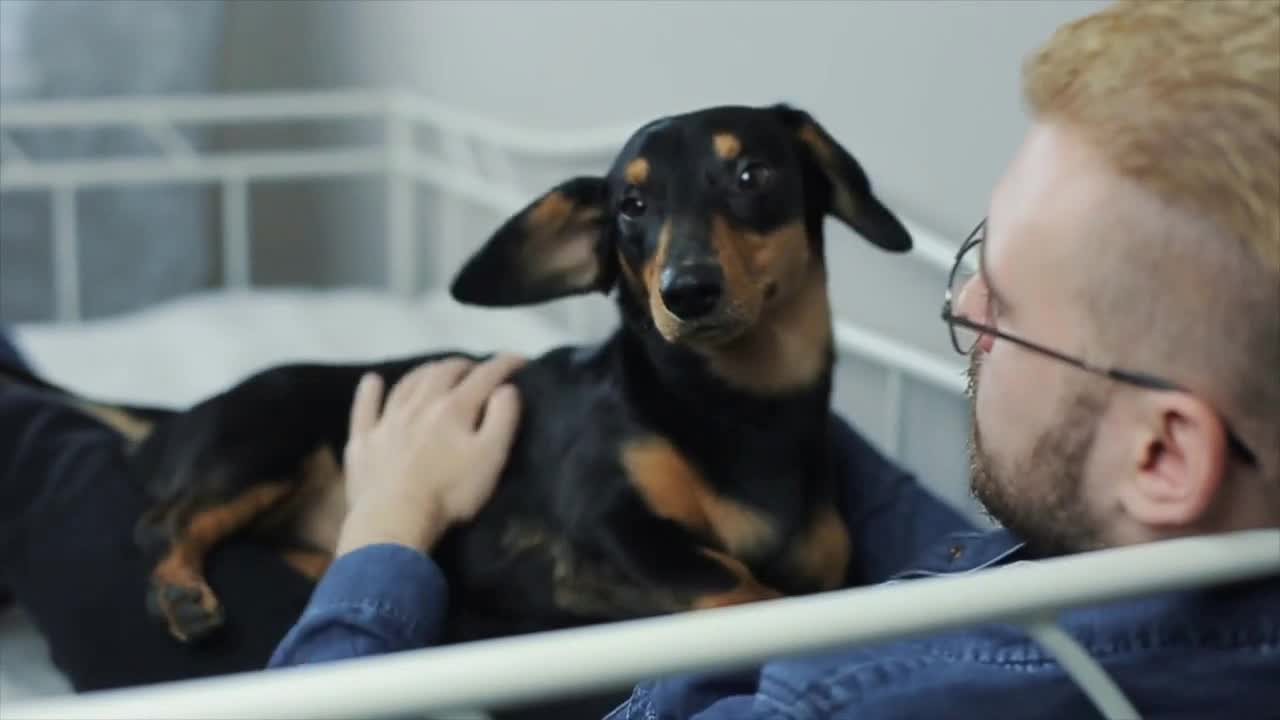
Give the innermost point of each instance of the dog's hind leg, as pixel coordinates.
(178, 590)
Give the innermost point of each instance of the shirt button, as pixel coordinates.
(955, 552)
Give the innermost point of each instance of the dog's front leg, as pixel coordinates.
(672, 568)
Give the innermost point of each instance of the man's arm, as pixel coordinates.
(377, 599)
(415, 465)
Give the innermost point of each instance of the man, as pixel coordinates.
(1137, 228)
(1124, 337)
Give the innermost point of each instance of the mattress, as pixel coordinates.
(177, 352)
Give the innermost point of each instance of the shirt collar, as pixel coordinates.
(965, 551)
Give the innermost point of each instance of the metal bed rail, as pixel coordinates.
(560, 663)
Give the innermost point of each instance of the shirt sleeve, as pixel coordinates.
(378, 599)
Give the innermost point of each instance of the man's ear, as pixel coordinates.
(844, 187)
(1180, 459)
(552, 248)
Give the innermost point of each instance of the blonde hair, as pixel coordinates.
(1182, 99)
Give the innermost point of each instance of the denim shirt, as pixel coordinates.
(1209, 653)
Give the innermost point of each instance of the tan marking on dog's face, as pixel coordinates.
(789, 348)
(668, 325)
(743, 284)
(636, 172)
(821, 553)
(779, 295)
(629, 277)
(727, 145)
(674, 489)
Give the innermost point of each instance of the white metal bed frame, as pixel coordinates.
(476, 166)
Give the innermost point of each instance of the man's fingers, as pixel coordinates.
(501, 414)
(477, 387)
(429, 380)
(365, 404)
(439, 379)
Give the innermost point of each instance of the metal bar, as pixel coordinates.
(560, 663)
(458, 151)
(462, 163)
(259, 165)
(882, 349)
(402, 267)
(248, 107)
(66, 254)
(238, 107)
(1087, 673)
(893, 410)
(484, 193)
(236, 261)
(500, 161)
(585, 142)
(10, 151)
(931, 248)
(170, 140)
(252, 107)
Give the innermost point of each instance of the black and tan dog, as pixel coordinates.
(680, 464)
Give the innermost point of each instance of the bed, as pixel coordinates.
(178, 350)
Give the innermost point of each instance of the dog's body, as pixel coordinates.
(680, 464)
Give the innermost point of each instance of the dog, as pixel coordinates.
(678, 465)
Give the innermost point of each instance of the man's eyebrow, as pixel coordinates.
(996, 295)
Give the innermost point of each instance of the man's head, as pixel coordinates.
(1137, 228)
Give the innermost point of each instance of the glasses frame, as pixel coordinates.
(1129, 377)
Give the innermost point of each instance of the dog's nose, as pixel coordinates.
(691, 291)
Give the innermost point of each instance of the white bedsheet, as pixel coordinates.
(180, 351)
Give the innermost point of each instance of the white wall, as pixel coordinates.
(924, 93)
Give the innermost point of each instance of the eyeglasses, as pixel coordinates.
(965, 334)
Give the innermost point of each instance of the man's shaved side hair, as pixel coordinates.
(1181, 100)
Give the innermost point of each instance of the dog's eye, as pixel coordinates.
(754, 176)
(632, 207)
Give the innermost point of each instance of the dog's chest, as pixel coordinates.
(803, 547)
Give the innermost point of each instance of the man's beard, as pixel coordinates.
(1041, 500)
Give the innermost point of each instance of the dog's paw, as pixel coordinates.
(189, 608)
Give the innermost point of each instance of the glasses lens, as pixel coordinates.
(966, 267)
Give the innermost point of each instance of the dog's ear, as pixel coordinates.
(552, 248)
(844, 186)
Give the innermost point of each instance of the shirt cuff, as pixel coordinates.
(376, 599)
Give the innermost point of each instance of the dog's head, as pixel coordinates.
(706, 219)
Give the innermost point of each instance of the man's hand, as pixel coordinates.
(431, 457)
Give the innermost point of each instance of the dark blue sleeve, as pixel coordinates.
(377, 599)
(892, 518)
